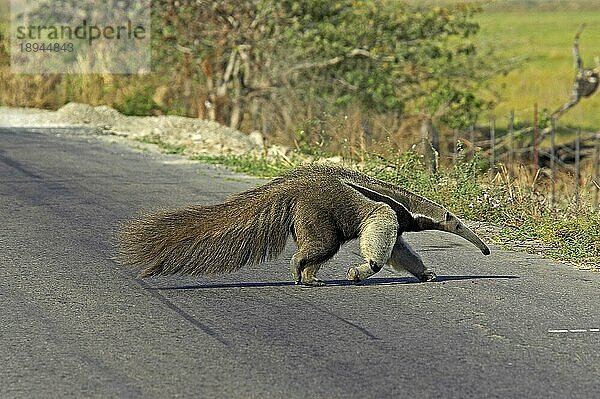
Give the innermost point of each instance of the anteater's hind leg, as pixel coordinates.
(316, 245)
(377, 238)
(404, 258)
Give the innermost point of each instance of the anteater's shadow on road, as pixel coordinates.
(329, 283)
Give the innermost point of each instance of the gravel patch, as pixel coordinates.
(198, 136)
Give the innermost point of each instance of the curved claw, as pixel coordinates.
(353, 275)
(428, 276)
(314, 283)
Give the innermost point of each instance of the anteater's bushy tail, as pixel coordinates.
(208, 239)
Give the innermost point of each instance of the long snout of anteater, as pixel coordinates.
(469, 235)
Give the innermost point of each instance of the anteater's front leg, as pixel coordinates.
(377, 238)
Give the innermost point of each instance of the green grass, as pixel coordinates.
(542, 41)
(573, 239)
(165, 147)
(255, 166)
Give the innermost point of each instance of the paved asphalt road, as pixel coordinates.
(73, 323)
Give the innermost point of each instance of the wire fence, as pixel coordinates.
(576, 158)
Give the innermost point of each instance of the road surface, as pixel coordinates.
(76, 324)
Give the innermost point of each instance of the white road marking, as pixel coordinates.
(580, 330)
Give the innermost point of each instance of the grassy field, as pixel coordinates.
(542, 41)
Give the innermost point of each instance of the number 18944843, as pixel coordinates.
(33, 47)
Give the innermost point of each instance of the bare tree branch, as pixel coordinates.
(586, 80)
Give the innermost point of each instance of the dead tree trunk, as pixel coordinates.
(585, 82)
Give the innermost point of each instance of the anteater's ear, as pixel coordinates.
(400, 209)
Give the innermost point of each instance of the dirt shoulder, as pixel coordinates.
(198, 136)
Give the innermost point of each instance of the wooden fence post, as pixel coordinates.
(493, 146)
(455, 152)
(577, 166)
(535, 138)
(511, 139)
(472, 135)
(552, 159)
(597, 172)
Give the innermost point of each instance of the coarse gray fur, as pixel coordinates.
(321, 206)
